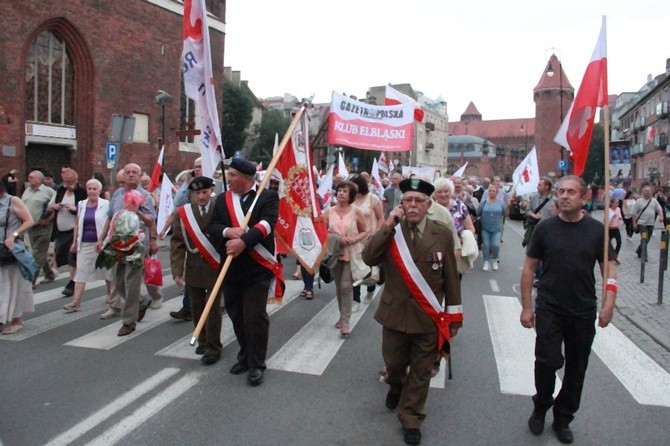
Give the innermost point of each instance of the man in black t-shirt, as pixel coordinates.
(568, 245)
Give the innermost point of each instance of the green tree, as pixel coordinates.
(595, 161)
(237, 115)
(272, 122)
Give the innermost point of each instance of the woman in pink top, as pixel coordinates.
(348, 222)
(615, 220)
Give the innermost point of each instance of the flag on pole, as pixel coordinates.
(383, 164)
(299, 227)
(341, 167)
(325, 189)
(196, 60)
(376, 180)
(395, 97)
(526, 176)
(158, 168)
(460, 171)
(166, 204)
(577, 127)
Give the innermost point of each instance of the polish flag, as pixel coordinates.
(395, 97)
(577, 127)
(325, 189)
(651, 133)
(459, 173)
(383, 165)
(156, 174)
(341, 167)
(376, 180)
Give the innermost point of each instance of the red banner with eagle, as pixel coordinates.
(300, 227)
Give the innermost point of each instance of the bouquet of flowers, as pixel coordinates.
(125, 240)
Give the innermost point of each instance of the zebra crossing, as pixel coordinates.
(312, 348)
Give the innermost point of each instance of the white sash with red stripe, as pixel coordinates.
(259, 253)
(205, 247)
(421, 291)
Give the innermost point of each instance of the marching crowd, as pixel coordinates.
(420, 236)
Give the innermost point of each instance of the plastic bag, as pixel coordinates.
(153, 271)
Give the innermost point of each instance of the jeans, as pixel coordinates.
(307, 278)
(490, 245)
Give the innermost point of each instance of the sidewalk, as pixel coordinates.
(637, 302)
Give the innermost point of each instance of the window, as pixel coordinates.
(49, 86)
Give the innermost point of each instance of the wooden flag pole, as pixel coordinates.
(606, 196)
(247, 217)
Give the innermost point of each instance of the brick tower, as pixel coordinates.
(553, 96)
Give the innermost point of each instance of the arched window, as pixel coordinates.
(49, 84)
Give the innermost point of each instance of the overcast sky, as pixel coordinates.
(490, 52)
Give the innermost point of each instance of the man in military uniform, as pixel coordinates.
(254, 269)
(191, 240)
(418, 254)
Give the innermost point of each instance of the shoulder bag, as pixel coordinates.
(530, 223)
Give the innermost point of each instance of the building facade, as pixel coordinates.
(69, 66)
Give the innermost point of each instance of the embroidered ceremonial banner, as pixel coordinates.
(300, 227)
(370, 127)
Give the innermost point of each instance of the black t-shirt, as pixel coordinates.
(569, 252)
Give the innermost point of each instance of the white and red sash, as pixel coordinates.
(421, 291)
(259, 253)
(190, 224)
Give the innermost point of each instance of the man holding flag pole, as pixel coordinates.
(566, 304)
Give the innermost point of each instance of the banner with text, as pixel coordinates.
(370, 127)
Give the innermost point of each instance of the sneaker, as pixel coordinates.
(156, 304)
(494, 264)
(486, 266)
(110, 313)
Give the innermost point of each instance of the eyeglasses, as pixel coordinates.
(414, 199)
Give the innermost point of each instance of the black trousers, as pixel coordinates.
(576, 334)
(246, 306)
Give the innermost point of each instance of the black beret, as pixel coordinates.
(200, 183)
(244, 166)
(416, 185)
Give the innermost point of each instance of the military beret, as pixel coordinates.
(416, 185)
(200, 183)
(244, 166)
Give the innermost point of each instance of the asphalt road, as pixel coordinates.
(68, 379)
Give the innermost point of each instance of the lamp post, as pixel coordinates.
(163, 99)
(550, 73)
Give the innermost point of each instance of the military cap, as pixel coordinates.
(200, 183)
(416, 185)
(243, 166)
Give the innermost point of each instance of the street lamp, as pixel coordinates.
(550, 73)
(163, 99)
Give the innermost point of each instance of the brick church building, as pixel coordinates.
(69, 66)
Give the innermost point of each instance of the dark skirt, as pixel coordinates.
(63, 242)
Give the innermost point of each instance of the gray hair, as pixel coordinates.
(441, 183)
(94, 181)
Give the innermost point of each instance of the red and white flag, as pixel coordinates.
(341, 167)
(376, 180)
(383, 164)
(651, 133)
(196, 60)
(370, 127)
(527, 174)
(394, 97)
(325, 189)
(300, 227)
(577, 127)
(158, 169)
(461, 170)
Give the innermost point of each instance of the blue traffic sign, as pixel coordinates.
(112, 150)
(562, 164)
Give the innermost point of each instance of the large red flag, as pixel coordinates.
(300, 227)
(577, 127)
(156, 174)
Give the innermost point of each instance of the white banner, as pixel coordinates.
(165, 206)
(527, 174)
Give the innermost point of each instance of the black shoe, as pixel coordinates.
(536, 422)
(182, 314)
(200, 350)
(255, 377)
(69, 289)
(210, 359)
(392, 400)
(638, 251)
(563, 433)
(238, 369)
(144, 306)
(411, 436)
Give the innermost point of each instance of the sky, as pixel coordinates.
(490, 52)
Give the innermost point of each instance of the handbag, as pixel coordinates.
(153, 271)
(6, 256)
